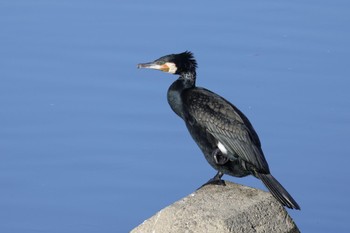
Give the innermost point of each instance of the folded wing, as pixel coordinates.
(227, 124)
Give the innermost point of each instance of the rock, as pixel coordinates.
(213, 208)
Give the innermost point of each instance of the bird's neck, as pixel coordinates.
(185, 81)
(188, 79)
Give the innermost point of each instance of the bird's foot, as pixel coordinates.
(219, 157)
(216, 180)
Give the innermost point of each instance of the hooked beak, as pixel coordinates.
(153, 65)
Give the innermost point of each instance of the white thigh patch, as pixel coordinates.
(222, 148)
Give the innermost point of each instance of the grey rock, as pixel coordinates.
(213, 208)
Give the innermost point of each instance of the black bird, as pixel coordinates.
(223, 133)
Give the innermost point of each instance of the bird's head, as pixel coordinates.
(173, 63)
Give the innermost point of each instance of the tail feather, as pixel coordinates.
(278, 191)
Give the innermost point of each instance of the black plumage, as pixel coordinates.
(223, 133)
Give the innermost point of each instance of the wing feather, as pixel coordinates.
(227, 124)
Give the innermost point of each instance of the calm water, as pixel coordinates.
(89, 144)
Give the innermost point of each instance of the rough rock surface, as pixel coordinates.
(213, 208)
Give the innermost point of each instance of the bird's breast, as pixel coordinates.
(175, 102)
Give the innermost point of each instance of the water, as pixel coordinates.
(89, 144)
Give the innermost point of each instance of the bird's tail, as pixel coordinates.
(278, 191)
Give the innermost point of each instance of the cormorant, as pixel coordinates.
(223, 133)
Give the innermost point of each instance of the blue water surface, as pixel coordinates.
(88, 143)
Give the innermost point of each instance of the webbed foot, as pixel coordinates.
(216, 180)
